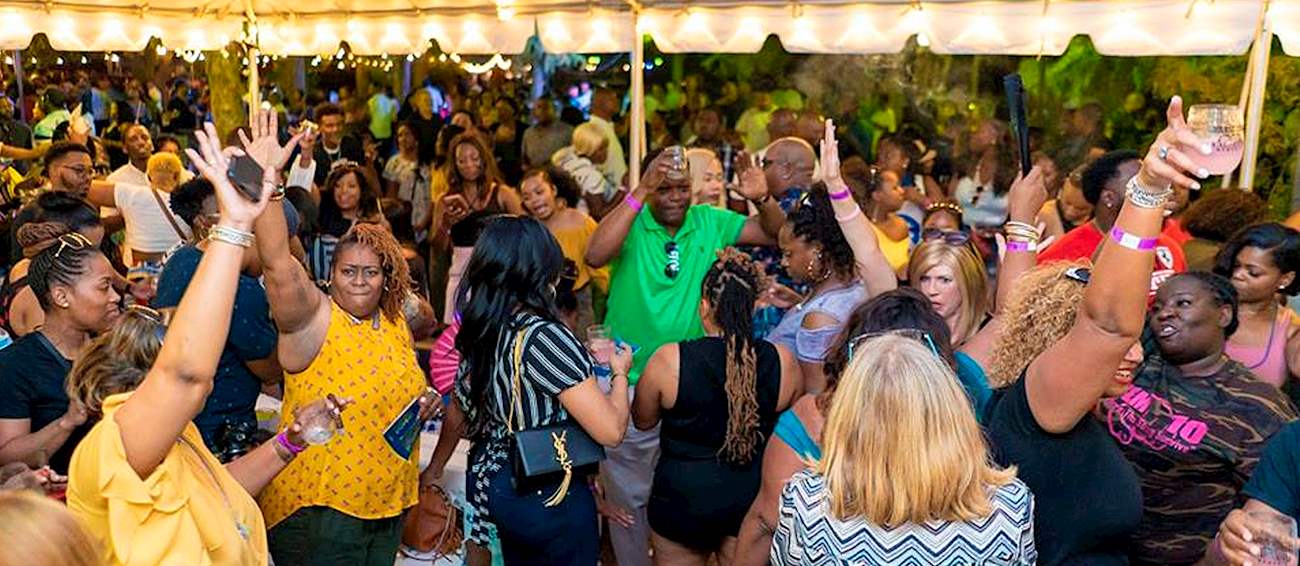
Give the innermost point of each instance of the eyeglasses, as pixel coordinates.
(72, 240)
(913, 333)
(674, 265)
(1078, 273)
(945, 236)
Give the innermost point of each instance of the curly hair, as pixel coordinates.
(187, 200)
(813, 220)
(731, 286)
(1220, 214)
(1041, 310)
(117, 361)
(397, 273)
(566, 188)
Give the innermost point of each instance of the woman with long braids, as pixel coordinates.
(718, 397)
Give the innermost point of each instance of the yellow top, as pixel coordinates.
(573, 242)
(896, 251)
(190, 511)
(357, 473)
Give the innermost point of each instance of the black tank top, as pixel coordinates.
(696, 427)
(464, 234)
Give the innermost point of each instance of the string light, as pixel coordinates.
(161, 50)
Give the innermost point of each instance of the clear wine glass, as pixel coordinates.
(1219, 125)
(1276, 535)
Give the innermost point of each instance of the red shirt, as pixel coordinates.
(1174, 229)
(1081, 243)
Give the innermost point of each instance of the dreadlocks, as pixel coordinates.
(731, 287)
(397, 274)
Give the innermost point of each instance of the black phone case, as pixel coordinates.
(246, 175)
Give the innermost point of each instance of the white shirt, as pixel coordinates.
(147, 227)
(615, 166)
(128, 174)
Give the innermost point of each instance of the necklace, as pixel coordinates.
(1268, 347)
(241, 528)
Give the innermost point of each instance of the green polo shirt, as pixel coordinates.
(646, 306)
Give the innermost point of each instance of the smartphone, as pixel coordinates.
(1015, 89)
(246, 175)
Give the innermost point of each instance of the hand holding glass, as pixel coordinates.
(1220, 126)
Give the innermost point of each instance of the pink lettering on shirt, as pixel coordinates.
(1150, 420)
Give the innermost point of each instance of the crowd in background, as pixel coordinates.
(832, 343)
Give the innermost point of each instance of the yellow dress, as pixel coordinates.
(189, 512)
(896, 251)
(573, 242)
(356, 473)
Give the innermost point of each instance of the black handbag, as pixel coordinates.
(546, 454)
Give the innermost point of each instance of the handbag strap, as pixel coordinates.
(168, 213)
(516, 401)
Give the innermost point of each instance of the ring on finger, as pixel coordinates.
(1163, 152)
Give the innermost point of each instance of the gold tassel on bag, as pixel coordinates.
(561, 456)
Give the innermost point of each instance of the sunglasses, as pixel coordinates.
(913, 333)
(72, 240)
(1078, 273)
(152, 315)
(945, 236)
(674, 265)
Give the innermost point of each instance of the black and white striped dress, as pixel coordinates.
(553, 361)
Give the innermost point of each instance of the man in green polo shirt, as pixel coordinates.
(660, 247)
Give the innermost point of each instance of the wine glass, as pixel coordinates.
(318, 423)
(601, 346)
(1276, 535)
(1219, 125)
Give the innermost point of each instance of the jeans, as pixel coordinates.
(532, 534)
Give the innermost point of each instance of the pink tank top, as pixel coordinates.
(1268, 362)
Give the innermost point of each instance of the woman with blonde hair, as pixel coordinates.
(948, 271)
(707, 183)
(1069, 339)
(905, 473)
(588, 148)
(151, 228)
(36, 530)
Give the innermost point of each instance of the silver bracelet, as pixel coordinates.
(232, 236)
(1143, 197)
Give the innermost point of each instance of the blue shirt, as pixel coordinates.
(974, 382)
(252, 337)
(1276, 480)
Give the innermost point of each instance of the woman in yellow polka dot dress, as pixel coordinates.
(343, 504)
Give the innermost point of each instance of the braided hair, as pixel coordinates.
(731, 286)
(63, 257)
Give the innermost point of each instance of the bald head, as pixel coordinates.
(788, 163)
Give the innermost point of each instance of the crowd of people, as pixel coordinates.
(785, 343)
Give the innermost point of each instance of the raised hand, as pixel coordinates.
(830, 160)
(1027, 196)
(265, 146)
(753, 183)
(1166, 162)
(214, 163)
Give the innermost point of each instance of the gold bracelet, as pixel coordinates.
(232, 236)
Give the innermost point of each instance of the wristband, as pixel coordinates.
(1131, 241)
(1016, 246)
(846, 193)
(850, 216)
(633, 203)
(232, 236)
(283, 440)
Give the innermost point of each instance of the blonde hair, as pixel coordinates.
(587, 139)
(116, 361)
(901, 443)
(698, 160)
(165, 163)
(971, 280)
(1040, 310)
(35, 530)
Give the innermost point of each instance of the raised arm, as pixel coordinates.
(612, 231)
(1060, 390)
(178, 384)
(1026, 197)
(873, 268)
(761, 230)
(102, 193)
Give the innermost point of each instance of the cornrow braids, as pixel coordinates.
(1222, 291)
(731, 286)
(61, 263)
(397, 274)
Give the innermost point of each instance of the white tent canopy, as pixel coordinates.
(372, 27)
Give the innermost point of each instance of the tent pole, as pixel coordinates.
(254, 96)
(18, 79)
(1255, 104)
(636, 131)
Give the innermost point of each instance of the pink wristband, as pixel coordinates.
(841, 195)
(632, 202)
(1014, 246)
(1131, 241)
(294, 449)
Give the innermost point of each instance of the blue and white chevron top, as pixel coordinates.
(807, 535)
